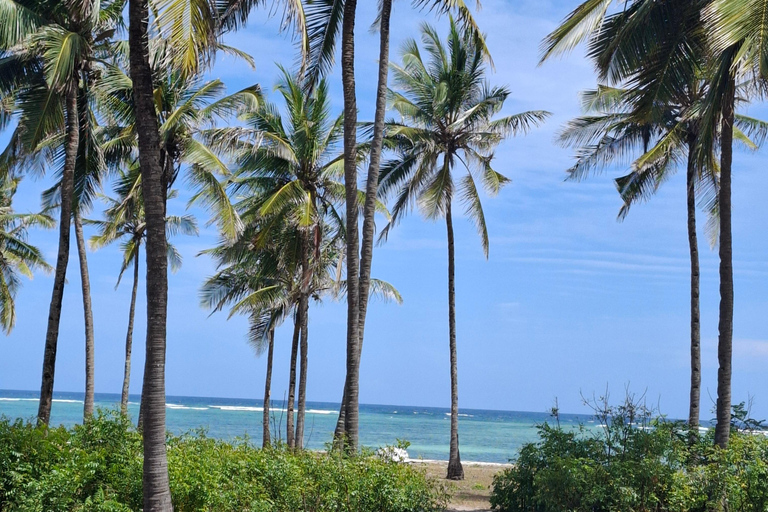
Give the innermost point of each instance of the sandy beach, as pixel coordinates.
(470, 494)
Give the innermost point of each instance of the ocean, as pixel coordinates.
(484, 435)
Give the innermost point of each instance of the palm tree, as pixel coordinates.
(613, 128)
(290, 174)
(125, 222)
(17, 256)
(641, 47)
(447, 111)
(156, 488)
(49, 53)
(323, 18)
(738, 49)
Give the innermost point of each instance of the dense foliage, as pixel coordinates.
(636, 463)
(97, 467)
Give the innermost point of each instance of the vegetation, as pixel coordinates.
(98, 467)
(282, 186)
(637, 462)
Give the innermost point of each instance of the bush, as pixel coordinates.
(635, 463)
(97, 467)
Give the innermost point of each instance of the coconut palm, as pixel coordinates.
(613, 130)
(447, 111)
(17, 256)
(156, 488)
(323, 20)
(48, 51)
(124, 221)
(738, 50)
(289, 168)
(647, 45)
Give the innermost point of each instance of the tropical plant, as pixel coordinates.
(663, 51)
(738, 50)
(17, 256)
(124, 221)
(289, 168)
(324, 19)
(156, 488)
(49, 50)
(447, 110)
(613, 129)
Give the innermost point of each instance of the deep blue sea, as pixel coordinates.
(485, 436)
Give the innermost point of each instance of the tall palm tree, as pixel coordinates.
(447, 111)
(738, 49)
(640, 47)
(613, 129)
(290, 172)
(46, 57)
(124, 221)
(156, 488)
(323, 20)
(17, 256)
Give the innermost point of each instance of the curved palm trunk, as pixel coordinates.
(265, 439)
(455, 469)
(129, 338)
(62, 259)
(156, 489)
(88, 314)
(725, 326)
(693, 245)
(351, 422)
(371, 192)
(292, 381)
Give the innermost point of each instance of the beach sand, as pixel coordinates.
(470, 494)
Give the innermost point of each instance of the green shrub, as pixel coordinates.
(635, 464)
(97, 467)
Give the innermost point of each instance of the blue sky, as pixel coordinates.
(570, 302)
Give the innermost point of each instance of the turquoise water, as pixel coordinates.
(485, 436)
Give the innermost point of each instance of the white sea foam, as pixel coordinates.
(319, 411)
(236, 408)
(185, 407)
(61, 400)
(19, 400)
(462, 415)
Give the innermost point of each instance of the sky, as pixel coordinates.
(569, 304)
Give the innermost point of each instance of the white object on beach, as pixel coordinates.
(393, 454)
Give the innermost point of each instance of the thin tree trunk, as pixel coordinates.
(693, 245)
(302, 410)
(62, 259)
(455, 469)
(371, 190)
(725, 326)
(306, 282)
(129, 338)
(351, 424)
(156, 489)
(88, 314)
(265, 440)
(292, 380)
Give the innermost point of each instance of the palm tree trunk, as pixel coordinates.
(62, 259)
(371, 191)
(265, 440)
(88, 314)
(693, 245)
(351, 424)
(306, 283)
(129, 338)
(455, 469)
(725, 326)
(156, 489)
(292, 380)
